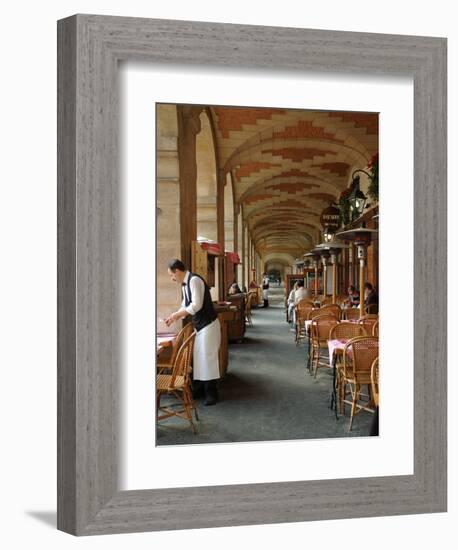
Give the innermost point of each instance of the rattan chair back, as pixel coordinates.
(248, 303)
(375, 329)
(368, 323)
(364, 350)
(375, 381)
(334, 309)
(351, 313)
(183, 335)
(182, 366)
(321, 327)
(305, 303)
(346, 330)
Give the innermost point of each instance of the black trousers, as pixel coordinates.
(374, 425)
(205, 388)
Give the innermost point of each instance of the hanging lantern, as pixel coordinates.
(357, 198)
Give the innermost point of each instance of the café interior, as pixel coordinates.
(250, 198)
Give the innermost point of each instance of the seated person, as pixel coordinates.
(254, 284)
(234, 289)
(370, 298)
(353, 297)
(301, 292)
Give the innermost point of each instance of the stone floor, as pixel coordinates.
(267, 393)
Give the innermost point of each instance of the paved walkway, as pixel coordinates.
(267, 393)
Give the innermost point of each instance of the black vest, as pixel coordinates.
(207, 313)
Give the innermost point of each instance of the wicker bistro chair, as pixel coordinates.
(343, 331)
(248, 303)
(341, 299)
(375, 382)
(375, 331)
(253, 293)
(178, 384)
(351, 313)
(301, 315)
(165, 364)
(356, 372)
(315, 312)
(331, 309)
(319, 334)
(368, 321)
(305, 303)
(346, 330)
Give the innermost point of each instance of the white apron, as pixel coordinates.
(206, 352)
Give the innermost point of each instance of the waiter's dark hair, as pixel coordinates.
(176, 264)
(368, 286)
(300, 282)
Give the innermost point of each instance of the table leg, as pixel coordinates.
(308, 358)
(334, 386)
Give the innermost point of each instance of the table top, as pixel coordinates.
(164, 340)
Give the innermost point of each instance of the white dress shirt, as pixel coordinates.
(300, 294)
(197, 293)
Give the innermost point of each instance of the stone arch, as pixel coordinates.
(206, 184)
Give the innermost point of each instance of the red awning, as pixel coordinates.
(211, 248)
(233, 257)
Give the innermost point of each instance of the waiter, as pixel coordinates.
(265, 289)
(197, 302)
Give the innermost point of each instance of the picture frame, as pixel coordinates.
(89, 49)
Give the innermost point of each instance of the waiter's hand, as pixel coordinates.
(171, 319)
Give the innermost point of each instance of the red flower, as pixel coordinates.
(345, 193)
(373, 161)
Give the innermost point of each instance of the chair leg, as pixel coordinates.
(188, 409)
(342, 393)
(317, 360)
(353, 405)
(192, 402)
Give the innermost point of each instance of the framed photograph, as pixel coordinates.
(142, 86)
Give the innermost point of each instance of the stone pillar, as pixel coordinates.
(168, 236)
(188, 128)
(221, 181)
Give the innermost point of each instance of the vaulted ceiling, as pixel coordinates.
(288, 165)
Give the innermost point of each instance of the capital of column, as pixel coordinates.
(191, 117)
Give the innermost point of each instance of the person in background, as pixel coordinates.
(370, 298)
(301, 292)
(353, 297)
(290, 303)
(197, 302)
(234, 289)
(265, 289)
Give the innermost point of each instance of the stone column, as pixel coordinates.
(221, 181)
(168, 236)
(188, 128)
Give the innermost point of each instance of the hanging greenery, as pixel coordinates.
(344, 205)
(373, 184)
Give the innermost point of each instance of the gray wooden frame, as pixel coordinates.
(89, 48)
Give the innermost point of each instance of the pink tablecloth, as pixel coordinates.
(334, 345)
